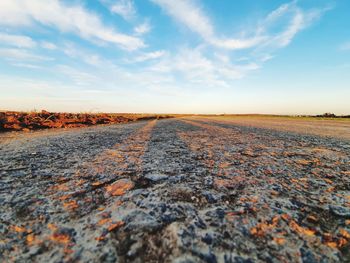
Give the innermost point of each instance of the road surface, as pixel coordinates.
(175, 190)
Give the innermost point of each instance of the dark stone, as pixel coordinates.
(168, 218)
(307, 256)
(138, 220)
(220, 213)
(340, 211)
(207, 239)
(206, 257)
(156, 177)
(210, 197)
(200, 223)
(239, 259)
(163, 207)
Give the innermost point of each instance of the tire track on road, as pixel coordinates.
(123, 160)
(278, 175)
(77, 209)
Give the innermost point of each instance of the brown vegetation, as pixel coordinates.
(24, 121)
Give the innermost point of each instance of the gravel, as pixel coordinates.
(175, 190)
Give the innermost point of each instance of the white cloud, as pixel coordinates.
(190, 14)
(293, 17)
(150, 56)
(66, 18)
(143, 28)
(199, 70)
(296, 24)
(26, 65)
(265, 57)
(79, 53)
(12, 13)
(17, 40)
(114, 79)
(237, 43)
(21, 54)
(124, 8)
(79, 77)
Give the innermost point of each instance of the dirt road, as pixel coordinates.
(175, 190)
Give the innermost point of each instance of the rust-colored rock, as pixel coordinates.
(114, 226)
(120, 187)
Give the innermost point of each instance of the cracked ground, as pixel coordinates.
(175, 190)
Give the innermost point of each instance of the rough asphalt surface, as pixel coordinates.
(176, 190)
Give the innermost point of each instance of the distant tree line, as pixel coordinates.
(332, 115)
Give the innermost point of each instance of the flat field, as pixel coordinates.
(194, 189)
(332, 127)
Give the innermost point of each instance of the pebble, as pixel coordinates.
(340, 211)
(156, 177)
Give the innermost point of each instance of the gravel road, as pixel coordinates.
(174, 190)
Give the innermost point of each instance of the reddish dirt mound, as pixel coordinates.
(22, 121)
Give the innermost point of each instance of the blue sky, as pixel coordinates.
(182, 56)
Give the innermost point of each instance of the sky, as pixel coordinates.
(175, 56)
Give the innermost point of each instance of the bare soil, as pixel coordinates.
(339, 128)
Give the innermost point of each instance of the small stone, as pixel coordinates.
(205, 257)
(200, 223)
(340, 211)
(211, 198)
(194, 199)
(156, 177)
(119, 187)
(220, 212)
(307, 256)
(176, 178)
(239, 259)
(134, 249)
(207, 239)
(138, 220)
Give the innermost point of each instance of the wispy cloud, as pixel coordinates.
(190, 14)
(66, 18)
(237, 43)
(21, 55)
(149, 56)
(124, 8)
(295, 19)
(17, 40)
(197, 67)
(143, 28)
(200, 70)
(80, 54)
(26, 65)
(79, 77)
